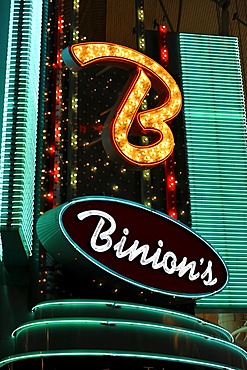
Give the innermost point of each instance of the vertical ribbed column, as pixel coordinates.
(18, 141)
(215, 122)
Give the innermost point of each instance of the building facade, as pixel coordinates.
(52, 153)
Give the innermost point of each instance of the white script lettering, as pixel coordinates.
(168, 262)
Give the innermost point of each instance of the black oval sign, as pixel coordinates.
(135, 243)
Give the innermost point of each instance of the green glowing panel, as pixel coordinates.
(215, 125)
(19, 124)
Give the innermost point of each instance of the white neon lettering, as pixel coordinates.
(183, 268)
(169, 261)
(167, 269)
(105, 235)
(119, 246)
(208, 272)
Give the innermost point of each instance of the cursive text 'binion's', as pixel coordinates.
(101, 241)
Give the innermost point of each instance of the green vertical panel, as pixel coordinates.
(215, 124)
(19, 124)
(4, 21)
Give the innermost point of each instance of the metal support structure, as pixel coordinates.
(179, 14)
(224, 5)
(236, 17)
(166, 17)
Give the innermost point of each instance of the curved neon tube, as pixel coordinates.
(88, 353)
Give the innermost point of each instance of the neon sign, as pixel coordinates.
(114, 236)
(124, 116)
(168, 261)
(111, 236)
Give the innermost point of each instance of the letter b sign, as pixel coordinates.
(125, 115)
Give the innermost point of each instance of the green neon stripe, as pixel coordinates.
(124, 323)
(44, 354)
(146, 308)
(80, 322)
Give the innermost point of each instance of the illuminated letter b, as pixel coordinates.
(124, 115)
